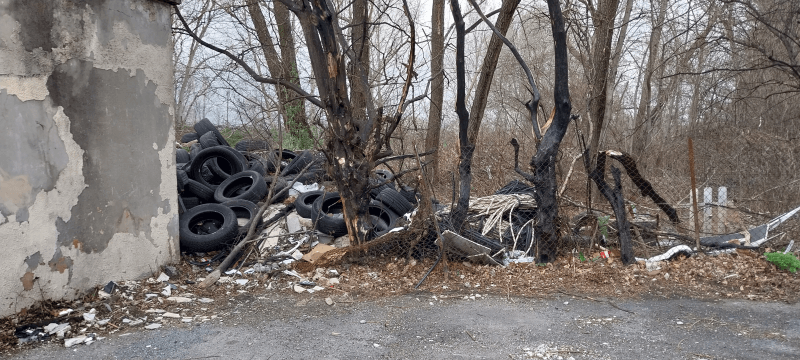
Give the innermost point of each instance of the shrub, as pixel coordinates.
(784, 261)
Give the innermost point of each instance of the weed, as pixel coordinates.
(232, 135)
(783, 261)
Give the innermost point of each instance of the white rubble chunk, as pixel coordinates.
(293, 223)
(75, 341)
(179, 299)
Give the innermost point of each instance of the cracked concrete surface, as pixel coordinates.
(87, 167)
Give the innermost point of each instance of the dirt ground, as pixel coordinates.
(742, 276)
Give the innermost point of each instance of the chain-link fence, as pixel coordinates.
(731, 211)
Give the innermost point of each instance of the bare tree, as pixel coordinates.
(353, 144)
(187, 64)
(469, 122)
(644, 114)
(437, 85)
(282, 66)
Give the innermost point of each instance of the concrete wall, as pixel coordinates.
(87, 184)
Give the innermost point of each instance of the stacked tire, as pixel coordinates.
(383, 191)
(326, 211)
(219, 187)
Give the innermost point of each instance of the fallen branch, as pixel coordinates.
(644, 186)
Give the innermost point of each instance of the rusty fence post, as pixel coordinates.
(694, 196)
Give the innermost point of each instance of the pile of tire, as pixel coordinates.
(385, 208)
(219, 187)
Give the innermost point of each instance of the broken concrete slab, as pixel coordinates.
(293, 223)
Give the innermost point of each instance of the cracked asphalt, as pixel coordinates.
(416, 326)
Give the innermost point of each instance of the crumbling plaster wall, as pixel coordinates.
(87, 188)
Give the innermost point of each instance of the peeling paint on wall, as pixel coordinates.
(86, 157)
(108, 109)
(32, 158)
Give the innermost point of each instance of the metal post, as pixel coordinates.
(694, 196)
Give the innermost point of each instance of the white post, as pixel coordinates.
(708, 198)
(722, 211)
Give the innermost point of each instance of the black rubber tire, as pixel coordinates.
(204, 126)
(189, 137)
(280, 184)
(301, 160)
(198, 190)
(231, 156)
(257, 166)
(286, 157)
(207, 227)
(182, 156)
(246, 185)
(409, 194)
(223, 169)
(194, 150)
(312, 175)
(328, 210)
(250, 145)
(384, 175)
(253, 158)
(182, 179)
(190, 202)
(382, 219)
(394, 201)
(376, 189)
(305, 202)
(244, 210)
(208, 175)
(208, 140)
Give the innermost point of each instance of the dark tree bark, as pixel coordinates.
(614, 197)
(646, 189)
(466, 148)
(359, 34)
(469, 123)
(543, 162)
(437, 86)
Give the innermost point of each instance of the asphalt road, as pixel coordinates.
(418, 326)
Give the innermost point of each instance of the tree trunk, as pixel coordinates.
(614, 197)
(295, 109)
(487, 69)
(459, 213)
(601, 57)
(543, 162)
(641, 136)
(294, 120)
(359, 32)
(437, 87)
(617, 55)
